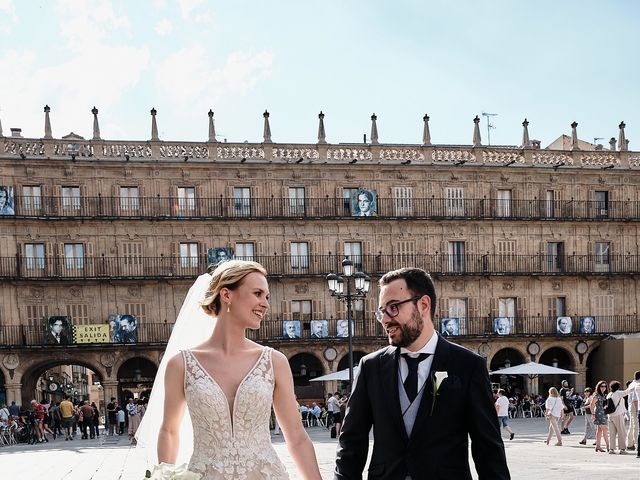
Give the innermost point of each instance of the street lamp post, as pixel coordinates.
(336, 283)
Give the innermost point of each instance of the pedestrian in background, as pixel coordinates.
(553, 412)
(599, 398)
(589, 427)
(617, 430)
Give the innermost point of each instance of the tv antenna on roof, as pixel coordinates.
(490, 125)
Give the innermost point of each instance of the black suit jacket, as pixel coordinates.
(438, 446)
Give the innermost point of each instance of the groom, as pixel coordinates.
(423, 395)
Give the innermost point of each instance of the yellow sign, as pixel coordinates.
(91, 334)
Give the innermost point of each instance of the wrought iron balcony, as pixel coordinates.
(173, 208)
(367, 329)
(171, 267)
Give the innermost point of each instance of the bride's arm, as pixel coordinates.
(174, 407)
(286, 408)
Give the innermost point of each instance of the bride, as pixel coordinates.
(214, 407)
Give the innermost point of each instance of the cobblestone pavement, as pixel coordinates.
(112, 458)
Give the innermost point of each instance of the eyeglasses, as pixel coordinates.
(392, 309)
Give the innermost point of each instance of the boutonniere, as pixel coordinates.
(167, 471)
(437, 379)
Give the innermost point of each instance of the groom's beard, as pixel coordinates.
(409, 332)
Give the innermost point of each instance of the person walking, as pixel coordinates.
(96, 419)
(66, 412)
(598, 400)
(120, 418)
(568, 414)
(589, 427)
(87, 421)
(553, 412)
(632, 401)
(425, 395)
(112, 419)
(617, 430)
(502, 410)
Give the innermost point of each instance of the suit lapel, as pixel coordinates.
(439, 364)
(389, 374)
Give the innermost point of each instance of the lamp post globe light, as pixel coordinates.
(361, 284)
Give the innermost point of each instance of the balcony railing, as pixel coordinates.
(132, 267)
(169, 208)
(363, 329)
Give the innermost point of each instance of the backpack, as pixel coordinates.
(610, 407)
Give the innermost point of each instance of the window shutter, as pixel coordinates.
(285, 310)
(494, 307)
(472, 304)
(521, 307)
(316, 311)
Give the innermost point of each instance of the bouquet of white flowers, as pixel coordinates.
(169, 471)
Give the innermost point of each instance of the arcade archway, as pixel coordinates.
(344, 361)
(135, 379)
(50, 381)
(304, 367)
(3, 391)
(505, 358)
(560, 358)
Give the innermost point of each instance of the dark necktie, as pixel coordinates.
(411, 382)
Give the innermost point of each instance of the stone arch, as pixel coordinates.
(135, 377)
(37, 367)
(508, 357)
(120, 360)
(344, 361)
(557, 356)
(304, 367)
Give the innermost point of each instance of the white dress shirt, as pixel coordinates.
(424, 367)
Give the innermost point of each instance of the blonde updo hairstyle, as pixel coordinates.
(227, 275)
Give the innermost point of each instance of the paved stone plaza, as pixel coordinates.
(109, 458)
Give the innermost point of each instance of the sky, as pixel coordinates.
(548, 61)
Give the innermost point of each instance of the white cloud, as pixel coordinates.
(97, 69)
(187, 6)
(8, 16)
(87, 24)
(204, 17)
(190, 68)
(164, 27)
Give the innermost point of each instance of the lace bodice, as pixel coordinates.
(237, 448)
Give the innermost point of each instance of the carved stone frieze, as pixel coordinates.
(348, 154)
(239, 152)
(402, 154)
(181, 151)
(124, 150)
(301, 288)
(26, 148)
(551, 158)
(36, 292)
(453, 155)
(294, 154)
(599, 159)
(501, 157)
(75, 291)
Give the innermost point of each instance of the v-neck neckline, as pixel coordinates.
(231, 410)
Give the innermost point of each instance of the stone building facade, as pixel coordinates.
(99, 227)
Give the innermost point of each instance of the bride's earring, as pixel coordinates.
(229, 307)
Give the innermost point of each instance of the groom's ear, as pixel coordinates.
(425, 305)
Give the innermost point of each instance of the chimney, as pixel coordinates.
(16, 132)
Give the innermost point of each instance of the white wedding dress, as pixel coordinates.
(232, 444)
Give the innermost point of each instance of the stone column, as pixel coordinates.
(322, 136)
(477, 140)
(47, 123)
(374, 130)
(574, 136)
(426, 133)
(212, 128)
(154, 126)
(266, 132)
(526, 143)
(110, 389)
(96, 126)
(622, 142)
(14, 392)
(580, 380)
